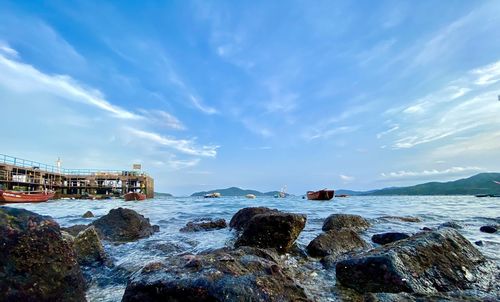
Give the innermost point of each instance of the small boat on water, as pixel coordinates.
(131, 196)
(212, 195)
(320, 195)
(250, 196)
(9, 196)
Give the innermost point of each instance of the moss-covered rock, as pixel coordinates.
(36, 264)
(241, 219)
(336, 243)
(276, 230)
(89, 249)
(122, 225)
(345, 221)
(428, 262)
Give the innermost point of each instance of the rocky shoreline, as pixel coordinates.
(40, 261)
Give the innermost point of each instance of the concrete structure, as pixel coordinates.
(27, 175)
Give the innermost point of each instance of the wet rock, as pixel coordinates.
(205, 224)
(67, 237)
(427, 229)
(335, 243)
(240, 220)
(277, 230)
(89, 249)
(218, 276)
(389, 237)
(424, 263)
(479, 243)
(36, 264)
(167, 248)
(345, 221)
(402, 218)
(438, 297)
(88, 214)
(122, 225)
(489, 229)
(450, 224)
(75, 229)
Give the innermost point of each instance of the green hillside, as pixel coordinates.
(482, 183)
(234, 191)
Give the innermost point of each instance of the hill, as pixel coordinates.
(235, 191)
(157, 194)
(482, 183)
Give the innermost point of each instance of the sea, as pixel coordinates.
(172, 213)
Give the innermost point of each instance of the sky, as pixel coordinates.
(256, 94)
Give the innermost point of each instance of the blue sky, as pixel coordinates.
(256, 94)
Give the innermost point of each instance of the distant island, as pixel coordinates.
(235, 191)
(163, 194)
(482, 183)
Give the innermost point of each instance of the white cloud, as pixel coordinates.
(5, 48)
(433, 172)
(346, 178)
(160, 117)
(487, 75)
(331, 132)
(181, 145)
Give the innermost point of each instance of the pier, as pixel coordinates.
(26, 175)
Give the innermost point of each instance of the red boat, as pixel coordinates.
(130, 196)
(8, 196)
(320, 195)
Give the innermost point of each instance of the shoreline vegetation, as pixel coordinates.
(479, 184)
(40, 261)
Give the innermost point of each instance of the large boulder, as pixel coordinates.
(489, 229)
(425, 263)
(336, 243)
(205, 224)
(386, 238)
(277, 230)
(220, 275)
(240, 220)
(122, 225)
(89, 249)
(345, 221)
(36, 264)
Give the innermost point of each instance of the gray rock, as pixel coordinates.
(206, 224)
(240, 220)
(336, 243)
(402, 218)
(345, 221)
(36, 263)
(489, 229)
(88, 214)
(122, 225)
(389, 237)
(217, 276)
(276, 230)
(450, 224)
(425, 263)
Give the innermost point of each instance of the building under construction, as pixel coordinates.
(27, 175)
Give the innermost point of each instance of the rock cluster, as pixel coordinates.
(244, 274)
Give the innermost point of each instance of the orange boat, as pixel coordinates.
(320, 195)
(8, 196)
(130, 196)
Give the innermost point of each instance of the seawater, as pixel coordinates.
(172, 213)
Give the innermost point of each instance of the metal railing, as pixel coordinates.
(24, 163)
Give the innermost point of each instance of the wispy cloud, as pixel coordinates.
(318, 134)
(25, 77)
(433, 172)
(181, 145)
(160, 117)
(467, 105)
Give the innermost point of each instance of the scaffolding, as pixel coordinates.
(28, 175)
